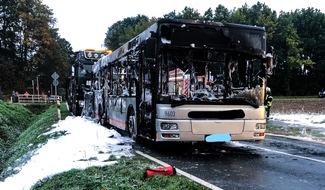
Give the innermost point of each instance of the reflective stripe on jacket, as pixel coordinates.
(268, 100)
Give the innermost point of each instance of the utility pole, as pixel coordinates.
(33, 87)
(37, 87)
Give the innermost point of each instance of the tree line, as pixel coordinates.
(298, 38)
(31, 47)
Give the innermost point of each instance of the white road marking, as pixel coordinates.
(284, 153)
(181, 172)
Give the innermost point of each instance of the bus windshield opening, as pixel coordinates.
(211, 77)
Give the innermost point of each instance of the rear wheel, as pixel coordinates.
(100, 115)
(131, 126)
(103, 119)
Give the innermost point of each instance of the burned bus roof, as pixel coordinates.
(184, 23)
(209, 23)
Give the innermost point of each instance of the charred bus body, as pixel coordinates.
(186, 80)
(80, 74)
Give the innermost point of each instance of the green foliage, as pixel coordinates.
(221, 14)
(294, 97)
(14, 114)
(31, 137)
(30, 46)
(122, 31)
(126, 174)
(187, 13)
(14, 119)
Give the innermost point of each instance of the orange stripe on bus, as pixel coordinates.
(118, 123)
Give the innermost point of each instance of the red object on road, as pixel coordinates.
(167, 170)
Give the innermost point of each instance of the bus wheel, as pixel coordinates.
(131, 126)
(104, 119)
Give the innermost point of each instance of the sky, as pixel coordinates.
(85, 139)
(84, 23)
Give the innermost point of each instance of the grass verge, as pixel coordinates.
(30, 138)
(296, 132)
(126, 173)
(14, 119)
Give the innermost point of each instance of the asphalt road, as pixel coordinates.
(275, 163)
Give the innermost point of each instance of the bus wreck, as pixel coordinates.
(186, 80)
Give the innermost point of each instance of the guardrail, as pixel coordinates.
(23, 99)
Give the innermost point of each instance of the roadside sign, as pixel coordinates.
(55, 76)
(55, 82)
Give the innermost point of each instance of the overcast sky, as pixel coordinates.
(85, 23)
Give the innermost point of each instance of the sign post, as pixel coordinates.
(55, 82)
(37, 88)
(33, 90)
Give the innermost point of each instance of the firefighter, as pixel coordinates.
(268, 102)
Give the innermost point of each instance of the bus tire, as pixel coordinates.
(103, 119)
(131, 126)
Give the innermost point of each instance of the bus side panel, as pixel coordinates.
(117, 110)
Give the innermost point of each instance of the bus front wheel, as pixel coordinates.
(131, 126)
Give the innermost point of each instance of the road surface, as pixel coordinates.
(275, 163)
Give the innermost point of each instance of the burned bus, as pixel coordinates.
(187, 80)
(80, 78)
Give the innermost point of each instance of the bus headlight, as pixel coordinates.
(169, 126)
(260, 126)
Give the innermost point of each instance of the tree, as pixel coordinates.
(190, 13)
(171, 15)
(287, 44)
(208, 15)
(310, 24)
(240, 16)
(221, 14)
(187, 13)
(29, 44)
(55, 58)
(9, 22)
(122, 31)
(132, 31)
(261, 15)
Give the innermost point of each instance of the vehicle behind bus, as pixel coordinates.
(186, 80)
(80, 77)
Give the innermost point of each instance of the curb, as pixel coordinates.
(180, 172)
(295, 138)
